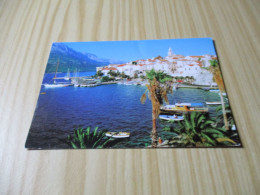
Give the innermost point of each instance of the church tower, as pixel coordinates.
(170, 52)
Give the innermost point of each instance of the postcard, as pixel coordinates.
(165, 93)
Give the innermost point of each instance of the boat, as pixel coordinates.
(55, 84)
(118, 134)
(214, 90)
(67, 77)
(183, 108)
(89, 85)
(171, 117)
(224, 94)
(75, 78)
(213, 103)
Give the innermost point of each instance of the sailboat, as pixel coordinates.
(55, 84)
(75, 78)
(67, 77)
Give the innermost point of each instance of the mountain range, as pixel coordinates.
(71, 59)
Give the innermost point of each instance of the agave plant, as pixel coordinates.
(199, 130)
(90, 139)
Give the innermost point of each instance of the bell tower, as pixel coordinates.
(170, 52)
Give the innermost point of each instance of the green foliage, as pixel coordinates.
(198, 130)
(124, 75)
(134, 62)
(206, 68)
(105, 79)
(213, 63)
(112, 73)
(168, 128)
(142, 77)
(100, 73)
(219, 117)
(160, 76)
(159, 86)
(90, 139)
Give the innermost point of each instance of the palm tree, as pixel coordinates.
(215, 70)
(219, 116)
(100, 73)
(187, 79)
(159, 86)
(198, 130)
(192, 79)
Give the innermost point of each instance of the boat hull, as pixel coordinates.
(173, 111)
(55, 85)
(213, 103)
(118, 134)
(171, 117)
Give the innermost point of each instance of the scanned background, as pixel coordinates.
(27, 30)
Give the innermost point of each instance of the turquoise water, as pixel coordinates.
(113, 107)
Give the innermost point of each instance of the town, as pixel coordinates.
(193, 67)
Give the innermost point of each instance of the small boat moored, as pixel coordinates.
(118, 134)
(213, 103)
(171, 117)
(56, 85)
(183, 108)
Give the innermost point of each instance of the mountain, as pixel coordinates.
(69, 58)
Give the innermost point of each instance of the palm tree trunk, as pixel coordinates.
(154, 131)
(224, 111)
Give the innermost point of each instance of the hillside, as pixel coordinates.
(72, 59)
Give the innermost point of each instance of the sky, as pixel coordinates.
(146, 49)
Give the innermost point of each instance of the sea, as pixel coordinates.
(113, 107)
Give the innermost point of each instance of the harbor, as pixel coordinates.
(109, 106)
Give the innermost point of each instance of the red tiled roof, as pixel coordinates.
(111, 68)
(197, 56)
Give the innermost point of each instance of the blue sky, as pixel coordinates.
(134, 50)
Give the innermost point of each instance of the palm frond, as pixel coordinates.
(208, 139)
(225, 139)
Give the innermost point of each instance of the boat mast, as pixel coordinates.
(57, 66)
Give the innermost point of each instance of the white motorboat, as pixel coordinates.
(214, 90)
(118, 134)
(171, 117)
(55, 85)
(213, 103)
